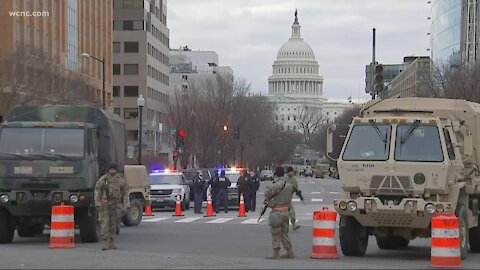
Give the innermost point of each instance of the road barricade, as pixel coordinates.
(62, 228)
(209, 206)
(178, 207)
(241, 207)
(148, 209)
(323, 243)
(445, 251)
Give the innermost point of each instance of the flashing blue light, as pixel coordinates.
(155, 171)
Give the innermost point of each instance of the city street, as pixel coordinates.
(224, 241)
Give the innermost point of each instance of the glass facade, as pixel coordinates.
(446, 31)
(72, 35)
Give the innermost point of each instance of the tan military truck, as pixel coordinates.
(403, 161)
(136, 177)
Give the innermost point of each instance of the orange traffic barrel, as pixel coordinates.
(445, 251)
(323, 243)
(62, 228)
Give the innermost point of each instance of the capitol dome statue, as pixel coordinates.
(296, 71)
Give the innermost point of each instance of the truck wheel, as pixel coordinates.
(461, 213)
(353, 237)
(392, 242)
(7, 229)
(89, 226)
(474, 239)
(134, 215)
(30, 230)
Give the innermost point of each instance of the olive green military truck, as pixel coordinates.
(51, 155)
(403, 161)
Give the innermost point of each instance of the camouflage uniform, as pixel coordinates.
(291, 215)
(279, 197)
(107, 205)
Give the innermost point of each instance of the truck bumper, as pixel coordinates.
(410, 212)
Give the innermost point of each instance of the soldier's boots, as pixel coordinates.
(106, 244)
(276, 254)
(289, 254)
(112, 244)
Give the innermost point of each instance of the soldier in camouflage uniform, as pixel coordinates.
(279, 196)
(291, 178)
(110, 191)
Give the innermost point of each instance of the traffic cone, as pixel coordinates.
(178, 207)
(323, 243)
(241, 208)
(62, 234)
(445, 251)
(148, 209)
(209, 206)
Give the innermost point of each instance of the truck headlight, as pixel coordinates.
(430, 208)
(352, 206)
(177, 190)
(342, 205)
(4, 198)
(74, 198)
(440, 208)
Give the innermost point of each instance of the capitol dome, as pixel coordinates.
(296, 72)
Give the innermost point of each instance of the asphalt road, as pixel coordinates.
(220, 242)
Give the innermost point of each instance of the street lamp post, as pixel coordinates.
(140, 103)
(87, 55)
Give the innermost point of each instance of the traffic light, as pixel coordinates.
(237, 133)
(378, 78)
(180, 138)
(225, 128)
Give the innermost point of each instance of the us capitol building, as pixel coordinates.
(296, 85)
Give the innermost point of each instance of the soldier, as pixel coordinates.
(243, 185)
(198, 188)
(293, 181)
(279, 196)
(110, 190)
(222, 184)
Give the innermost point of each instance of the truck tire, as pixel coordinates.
(89, 226)
(30, 230)
(353, 237)
(7, 229)
(134, 215)
(461, 213)
(391, 242)
(474, 239)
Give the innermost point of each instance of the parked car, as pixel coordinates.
(165, 186)
(266, 175)
(308, 172)
(321, 170)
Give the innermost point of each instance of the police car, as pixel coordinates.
(165, 186)
(233, 174)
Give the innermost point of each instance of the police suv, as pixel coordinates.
(165, 186)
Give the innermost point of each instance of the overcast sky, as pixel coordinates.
(248, 33)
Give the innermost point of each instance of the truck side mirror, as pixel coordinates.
(330, 131)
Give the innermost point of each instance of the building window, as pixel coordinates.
(131, 25)
(18, 32)
(130, 47)
(116, 47)
(117, 25)
(130, 113)
(116, 69)
(116, 111)
(288, 118)
(27, 36)
(130, 91)
(130, 69)
(116, 91)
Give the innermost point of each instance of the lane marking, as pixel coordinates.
(220, 220)
(296, 200)
(187, 220)
(252, 221)
(317, 200)
(334, 192)
(317, 192)
(155, 219)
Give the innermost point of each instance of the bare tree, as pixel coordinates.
(310, 121)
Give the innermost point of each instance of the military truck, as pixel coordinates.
(403, 161)
(51, 155)
(136, 177)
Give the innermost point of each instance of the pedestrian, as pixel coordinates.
(278, 196)
(254, 186)
(293, 181)
(243, 187)
(110, 191)
(222, 192)
(198, 190)
(213, 187)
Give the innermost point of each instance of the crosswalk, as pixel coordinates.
(207, 220)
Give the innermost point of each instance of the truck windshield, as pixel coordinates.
(368, 142)
(50, 142)
(418, 143)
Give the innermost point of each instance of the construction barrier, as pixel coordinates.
(323, 243)
(209, 206)
(148, 209)
(178, 207)
(62, 228)
(445, 251)
(241, 207)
